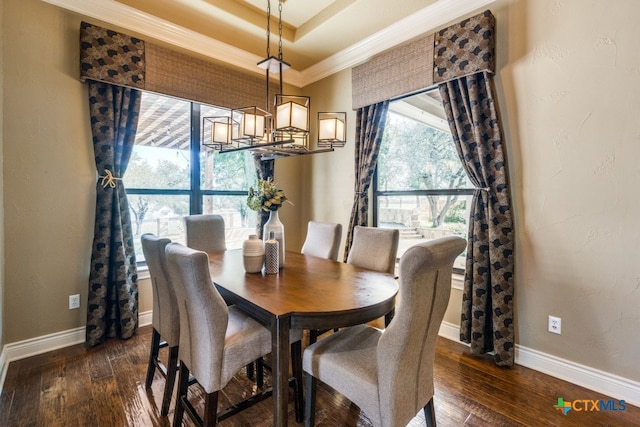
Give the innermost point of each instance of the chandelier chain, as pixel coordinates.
(280, 29)
(268, 28)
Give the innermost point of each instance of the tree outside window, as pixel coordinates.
(421, 187)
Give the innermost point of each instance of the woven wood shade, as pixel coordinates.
(119, 59)
(461, 49)
(397, 72)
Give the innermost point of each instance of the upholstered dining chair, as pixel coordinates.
(205, 233)
(165, 318)
(389, 374)
(323, 240)
(374, 248)
(216, 340)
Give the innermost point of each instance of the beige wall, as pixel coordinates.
(569, 87)
(48, 171)
(1, 183)
(331, 176)
(568, 83)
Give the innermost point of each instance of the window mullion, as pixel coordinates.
(375, 197)
(196, 194)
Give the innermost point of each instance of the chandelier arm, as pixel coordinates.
(257, 147)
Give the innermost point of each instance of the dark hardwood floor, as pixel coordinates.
(105, 387)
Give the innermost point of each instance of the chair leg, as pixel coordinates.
(172, 369)
(430, 414)
(211, 409)
(313, 336)
(250, 374)
(183, 385)
(153, 355)
(310, 407)
(296, 367)
(389, 317)
(260, 372)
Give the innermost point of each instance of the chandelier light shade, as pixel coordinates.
(292, 113)
(219, 132)
(332, 129)
(253, 124)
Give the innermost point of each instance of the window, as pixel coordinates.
(170, 175)
(420, 186)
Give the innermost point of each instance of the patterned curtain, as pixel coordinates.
(113, 289)
(487, 302)
(370, 122)
(264, 169)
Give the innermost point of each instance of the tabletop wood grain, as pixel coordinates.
(307, 286)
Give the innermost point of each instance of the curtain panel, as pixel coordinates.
(265, 169)
(370, 122)
(112, 309)
(487, 302)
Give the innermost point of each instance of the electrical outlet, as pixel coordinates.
(74, 301)
(555, 325)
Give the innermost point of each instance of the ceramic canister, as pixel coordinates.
(271, 255)
(253, 254)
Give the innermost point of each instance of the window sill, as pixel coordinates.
(457, 281)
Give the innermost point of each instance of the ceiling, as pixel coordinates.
(312, 30)
(319, 37)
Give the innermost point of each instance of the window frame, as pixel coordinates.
(377, 193)
(195, 193)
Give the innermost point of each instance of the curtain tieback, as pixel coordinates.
(109, 179)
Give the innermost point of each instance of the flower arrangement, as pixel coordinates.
(266, 197)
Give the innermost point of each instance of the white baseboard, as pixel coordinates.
(34, 346)
(608, 384)
(602, 382)
(144, 319)
(450, 331)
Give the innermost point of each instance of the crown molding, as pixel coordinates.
(421, 22)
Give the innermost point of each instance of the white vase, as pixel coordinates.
(253, 254)
(274, 224)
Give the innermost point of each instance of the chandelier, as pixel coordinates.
(282, 128)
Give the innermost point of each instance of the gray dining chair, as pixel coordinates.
(389, 374)
(165, 318)
(323, 240)
(216, 340)
(205, 233)
(374, 248)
